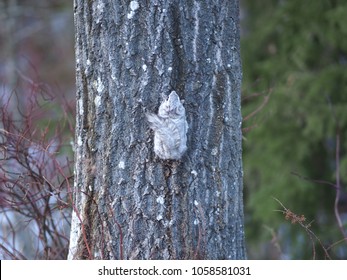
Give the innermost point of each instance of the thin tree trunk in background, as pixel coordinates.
(128, 203)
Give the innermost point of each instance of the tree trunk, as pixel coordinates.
(129, 203)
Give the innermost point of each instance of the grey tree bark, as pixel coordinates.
(128, 203)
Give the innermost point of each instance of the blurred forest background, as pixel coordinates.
(295, 116)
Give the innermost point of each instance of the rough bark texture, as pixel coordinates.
(128, 203)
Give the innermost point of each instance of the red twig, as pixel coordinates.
(301, 219)
(119, 229)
